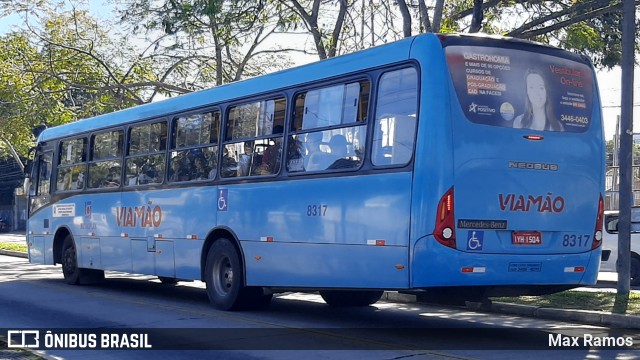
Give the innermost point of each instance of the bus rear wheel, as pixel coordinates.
(73, 274)
(223, 275)
(225, 280)
(343, 298)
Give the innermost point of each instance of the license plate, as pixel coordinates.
(526, 238)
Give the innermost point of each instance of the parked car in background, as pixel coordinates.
(610, 244)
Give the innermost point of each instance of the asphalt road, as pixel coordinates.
(297, 325)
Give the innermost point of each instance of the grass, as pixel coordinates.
(13, 247)
(576, 300)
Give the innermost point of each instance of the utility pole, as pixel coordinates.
(626, 151)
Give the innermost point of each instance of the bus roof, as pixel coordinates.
(376, 56)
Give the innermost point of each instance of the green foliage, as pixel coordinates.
(68, 71)
(219, 37)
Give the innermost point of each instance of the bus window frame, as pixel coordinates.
(225, 140)
(91, 157)
(365, 76)
(379, 74)
(127, 149)
(173, 146)
(58, 161)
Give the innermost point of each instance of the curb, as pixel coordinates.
(582, 316)
(14, 253)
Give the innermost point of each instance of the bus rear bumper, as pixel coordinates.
(435, 265)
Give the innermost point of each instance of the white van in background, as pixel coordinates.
(610, 244)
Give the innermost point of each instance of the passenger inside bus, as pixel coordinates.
(200, 171)
(229, 164)
(246, 159)
(272, 155)
(141, 176)
(179, 169)
(112, 179)
(312, 144)
(337, 159)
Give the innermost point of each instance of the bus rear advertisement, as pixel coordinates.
(454, 167)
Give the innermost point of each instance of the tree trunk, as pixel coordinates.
(437, 16)
(406, 18)
(476, 21)
(426, 23)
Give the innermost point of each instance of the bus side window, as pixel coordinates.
(71, 166)
(145, 161)
(254, 138)
(194, 145)
(105, 166)
(396, 118)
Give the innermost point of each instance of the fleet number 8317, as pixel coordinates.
(573, 240)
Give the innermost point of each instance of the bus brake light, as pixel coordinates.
(534, 137)
(597, 234)
(445, 228)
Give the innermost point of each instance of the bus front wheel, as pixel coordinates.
(350, 297)
(69, 262)
(73, 274)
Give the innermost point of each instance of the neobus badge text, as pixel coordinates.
(526, 203)
(142, 216)
(532, 166)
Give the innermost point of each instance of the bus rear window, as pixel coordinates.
(521, 89)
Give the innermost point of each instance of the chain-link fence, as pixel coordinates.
(612, 187)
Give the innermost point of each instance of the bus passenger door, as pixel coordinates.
(131, 221)
(151, 252)
(38, 227)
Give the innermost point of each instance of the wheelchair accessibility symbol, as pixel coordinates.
(223, 196)
(475, 239)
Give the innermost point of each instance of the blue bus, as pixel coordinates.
(453, 165)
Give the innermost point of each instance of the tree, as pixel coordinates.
(325, 38)
(66, 69)
(208, 42)
(588, 26)
(592, 27)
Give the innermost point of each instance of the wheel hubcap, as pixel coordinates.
(223, 272)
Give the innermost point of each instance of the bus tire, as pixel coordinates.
(223, 275)
(343, 298)
(73, 274)
(69, 261)
(634, 272)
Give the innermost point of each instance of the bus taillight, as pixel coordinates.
(445, 231)
(597, 234)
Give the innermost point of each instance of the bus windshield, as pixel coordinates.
(521, 89)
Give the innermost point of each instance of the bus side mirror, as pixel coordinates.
(28, 167)
(26, 185)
